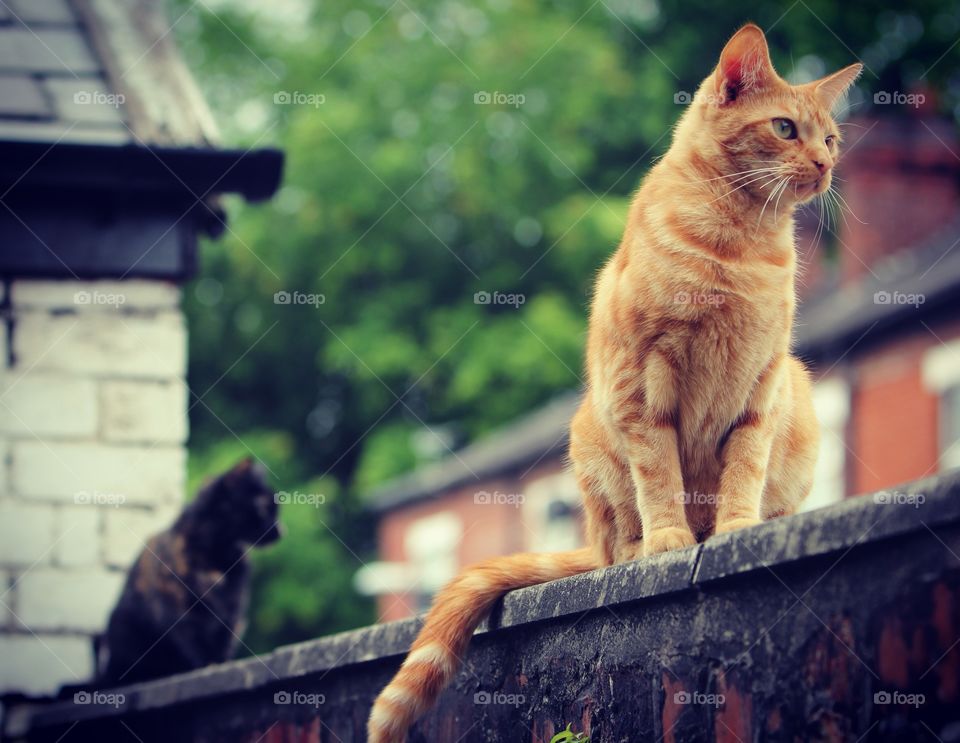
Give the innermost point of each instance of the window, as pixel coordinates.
(551, 513)
(431, 545)
(831, 400)
(950, 428)
(941, 375)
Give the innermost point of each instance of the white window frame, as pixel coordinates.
(831, 401)
(941, 375)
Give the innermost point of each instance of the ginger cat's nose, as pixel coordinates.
(822, 162)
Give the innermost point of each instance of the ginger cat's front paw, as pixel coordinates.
(669, 538)
(735, 524)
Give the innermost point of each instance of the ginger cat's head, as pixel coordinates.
(746, 118)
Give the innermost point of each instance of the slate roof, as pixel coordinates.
(96, 72)
(519, 444)
(843, 315)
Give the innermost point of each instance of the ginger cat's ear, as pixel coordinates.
(831, 89)
(744, 64)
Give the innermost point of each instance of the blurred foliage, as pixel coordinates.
(403, 197)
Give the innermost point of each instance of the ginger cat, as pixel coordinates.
(696, 418)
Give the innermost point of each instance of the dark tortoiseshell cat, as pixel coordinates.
(186, 595)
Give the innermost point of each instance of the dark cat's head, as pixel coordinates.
(238, 507)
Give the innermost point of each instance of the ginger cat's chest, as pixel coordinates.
(727, 347)
(725, 352)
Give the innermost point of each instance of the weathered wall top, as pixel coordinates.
(830, 624)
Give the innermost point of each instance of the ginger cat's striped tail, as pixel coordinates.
(456, 612)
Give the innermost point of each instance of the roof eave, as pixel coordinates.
(188, 171)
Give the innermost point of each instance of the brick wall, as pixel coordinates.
(893, 434)
(93, 423)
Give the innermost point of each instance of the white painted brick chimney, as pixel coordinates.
(93, 423)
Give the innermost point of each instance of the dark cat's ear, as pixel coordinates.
(831, 89)
(240, 471)
(744, 65)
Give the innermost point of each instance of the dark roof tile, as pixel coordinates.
(42, 11)
(51, 51)
(21, 95)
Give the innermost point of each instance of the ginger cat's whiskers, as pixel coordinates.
(846, 206)
(732, 175)
(776, 206)
(819, 231)
(780, 184)
(761, 178)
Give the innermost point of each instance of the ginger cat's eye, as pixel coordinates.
(830, 141)
(784, 128)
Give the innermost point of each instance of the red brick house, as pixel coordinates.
(879, 325)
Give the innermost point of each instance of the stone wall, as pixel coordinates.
(841, 624)
(93, 421)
